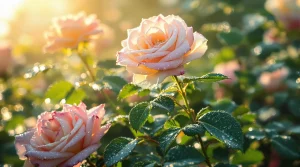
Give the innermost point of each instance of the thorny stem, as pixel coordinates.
(91, 74)
(193, 118)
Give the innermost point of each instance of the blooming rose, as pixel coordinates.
(62, 138)
(5, 57)
(160, 47)
(105, 40)
(271, 81)
(228, 69)
(287, 11)
(70, 30)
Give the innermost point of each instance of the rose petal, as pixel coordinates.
(164, 65)
(198, 49)
(80, 156)
(141, 69)
(21, 140)
(161, 75)
(46, 155)
(74, 140)
(99, 134)
(177, 53)
(152, 55)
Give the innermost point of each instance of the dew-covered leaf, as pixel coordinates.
(138, 115)
(224, 127)
(286, 146)
(250, 157)
(226, 105)
(128, 90)
(183, 156)
(164, 102)
(171, 123)
(154, 127)
(118, 149)
(193, 129)
(167, 137)
(76, 96)
(115, 83)
(210, 77)
(58, 90)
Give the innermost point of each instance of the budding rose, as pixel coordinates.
(63, 138)
(160, 47)
(286, 11)
(70, 30)
(5, 57)
(272, 81)
(228, 69)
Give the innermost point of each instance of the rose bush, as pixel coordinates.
(63, 138)
(70, 30)
(160, 47)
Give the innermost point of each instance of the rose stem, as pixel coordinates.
(193, 118)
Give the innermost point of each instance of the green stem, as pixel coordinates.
(193, 118)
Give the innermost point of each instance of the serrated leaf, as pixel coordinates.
(224, 127)
(193, 129)
(183, 156)
(210, 77)
(115, 83)
(152, 128)
(250, 157)
(286, 146)
(233, 37)
(164, 102)
(128, 90)
(118, 149)
(58, 90)
(202, 112)
(138, 115)
(171, 123)
(144, 92)
(167, 137)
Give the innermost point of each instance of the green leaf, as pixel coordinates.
(115, 83)
(286, 146)
(250, 157)
(183, 156)
(107, 64)
(202, 112)
(58, 91)
(167, 137)
(164, 102)
(118, 149)
(294, 106)
(225, 165)
(240, 110)
(14, 122)
(233, 37)
(224, 127)
(171, 123)
(36, 69)
(152, 128)
(193, 129)
(295, 130)
(76, 96)
(128, 90)
(144, 92)
(256, 134)
(210, 77)
(264, 50)
(226, 105)
(138, 115)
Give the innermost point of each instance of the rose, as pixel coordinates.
(160, 47)
(70, 30)
(5, 57)
(286, 11)
(273, 35)
(228, 69)
(271, 81)
(105, 40)
(62, 138)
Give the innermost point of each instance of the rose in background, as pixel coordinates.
(5, 57)
(160, 47)
(228, 69)
(70, 30)
(273, 81)
(63, 138)
(105, 39)
(273, 35)
(286, 11)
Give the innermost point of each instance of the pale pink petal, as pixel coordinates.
(152, 55)
(171, 41)
(141, 69)
(161, 75)
(64, 122)
(98, 135)
(181, 36)
(198, 49)
(80, 156)
(98, 111)
(21, 140)
(165, 65)
(133, 35)
(47, 163)
(27, 163)
(177, 53)
(190, 35)
(74, 140)
(47, 155)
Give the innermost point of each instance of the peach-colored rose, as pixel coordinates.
(105, 40)
(63, 138)
(70, 30)
(228, 69)
(271, 81)
(5, 57)
(160, 47)
(286, 11)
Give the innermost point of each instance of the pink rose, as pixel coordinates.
(70, 30)
(5, 57)
(272, 81)
(160, 47)
(273, 35)
(105, 40)
(286, 11)
(63, 138)
(228, 69)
